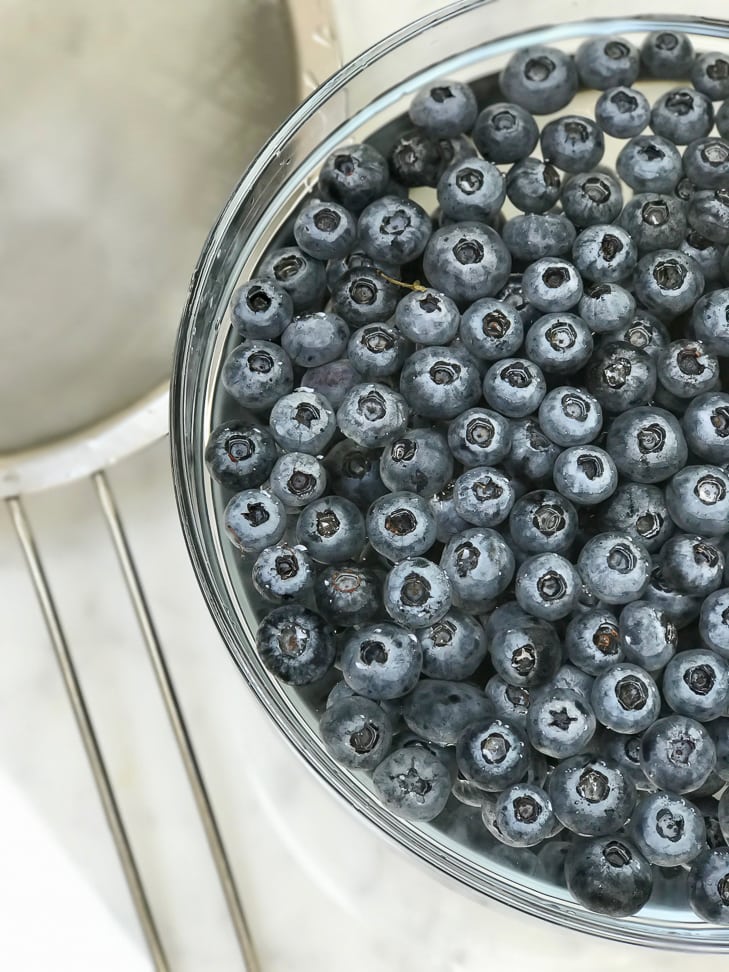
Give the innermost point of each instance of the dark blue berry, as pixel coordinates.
(439, 383)
(439, 710)
(299, 274)
(444, 109)
(356, 732)
(381, 660)
(466, 260)
(609, 875)
(505, 132)
(239, 455)
(261, 309)
(296, 644)
(413, 782)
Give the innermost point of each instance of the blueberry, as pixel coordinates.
(533, 186)
(256, 374)
(454, 647)
(656, 222)
(353, 176)
(615, 566)
(239, 455)
(692, 564)
(514, 386)
(414, 782)
(552, 285)
(686, 369)
(543, 521)
(649, 163)
(592, 198)
(604, 253)
(682, 115)
(483, 496)
(667, 54)
(442, 508)
(479, 564)
(604, 62)
(491, 329)
(417, 592)
(510, 702)
(559, 344)
(439, 710)
(372, 415)
(592, 641)
(296, 644)
(570, 416)
(621, 376)
(381, 660)
(532, 236)
(526, 653)
(573, 143)
(707, 255)
(639, 510)
(523, 815)
(348, 594)
(505, 132)
(479, 437)
(325, 230)
(585, 475)
(282, 573)
(541, 79)
(714, 622)
(299, 274)
(364, 296)
(698, 500)
(647, 444)
(493, 753)
(608, 875)
(261, 309)
(591, 795)
(680, 609)
(332, 529)
(354, 473)
(427, 317)
(624, 750)
(356, 732)
(393, 230)
(466, 260)
(696, 684)
(719, 732)
(571, 679)
(710, 321)
(331, 380)
(644, 332)
(706, 163)
(677, 754)
(254, 519)
(560, 723)
(417, 159)
(709, 886)
(377, 351)
(400, 525)
(532, 455)
(298, 479)
(625, 699)
(419, 462)
(708, 214)
(622, 111)
(647, 635)
(547, 586)
(439, 383)
(471, 189)
(710, 74)
(444, 109)
(303, 421)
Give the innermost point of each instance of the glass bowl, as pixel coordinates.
(468, 40)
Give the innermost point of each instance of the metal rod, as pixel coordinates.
(179, 727)
(88, 733)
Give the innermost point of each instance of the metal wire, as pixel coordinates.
(88, 733)
(179, 727)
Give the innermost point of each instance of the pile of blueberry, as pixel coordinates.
(487, 483)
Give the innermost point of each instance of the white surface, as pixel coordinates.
(323, 891)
